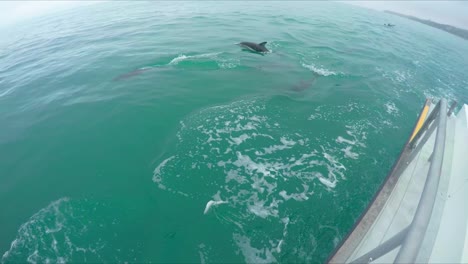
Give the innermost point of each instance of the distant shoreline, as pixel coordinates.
(463, 33)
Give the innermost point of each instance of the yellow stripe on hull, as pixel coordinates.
(421, 119)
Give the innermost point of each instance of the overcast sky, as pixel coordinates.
(14, 11)
(448, 12)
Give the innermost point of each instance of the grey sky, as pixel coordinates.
(14, 11)
(448, 12)
(454, 13)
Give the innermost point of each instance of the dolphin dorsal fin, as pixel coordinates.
(262, 44)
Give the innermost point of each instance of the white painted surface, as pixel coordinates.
(447, 238)
(451, 238)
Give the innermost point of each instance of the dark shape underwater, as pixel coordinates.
(131, 74)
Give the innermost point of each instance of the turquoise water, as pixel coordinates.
(138, 132)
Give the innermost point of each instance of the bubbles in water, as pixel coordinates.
(391, 108)
(65, 231)
(319, 70)
(247, 158)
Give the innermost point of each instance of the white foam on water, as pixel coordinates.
(258, 118)
(318, 70)
(240, 139)
(182, 125)
(391, 108)
(52, 235)
(356, 132)
(271, 149)
(252, 254)
(285, 221)
(233, 175)
(349, 154)
(26, 233)
(183, 57)
(358, 137)
(247, 122)
(287, 142)
(340, 139)
(318, 114)
(315, 116)
(396, 76)
(334, 166)
(261, 208)
(255, 134)
(330, 183)
(296, 196)
(228, 150)
(278, 247)
(202, 251)
(258, 166)
(401, 76)
(157, 177)
(252, 167)
(303, 159)
(218, 151)
(228, 63)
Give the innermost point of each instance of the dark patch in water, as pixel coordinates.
(304, 84)
(170, 235)
(131, 74)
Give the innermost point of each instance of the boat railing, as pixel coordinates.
(411, 238)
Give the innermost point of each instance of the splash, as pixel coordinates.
(183, 57)
(59, 233)
(318, 70)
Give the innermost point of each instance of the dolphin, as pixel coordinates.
(131, 74)
(302, 85)
(260, 47)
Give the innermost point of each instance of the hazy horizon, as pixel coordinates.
(453, 13)
(12, 12)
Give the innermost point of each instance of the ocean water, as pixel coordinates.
(139, 132)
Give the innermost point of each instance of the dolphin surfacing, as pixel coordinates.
(260, 47)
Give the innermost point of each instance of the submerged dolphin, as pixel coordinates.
(260, 47)
(302, 85)
(137, 72)
(131, 74)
